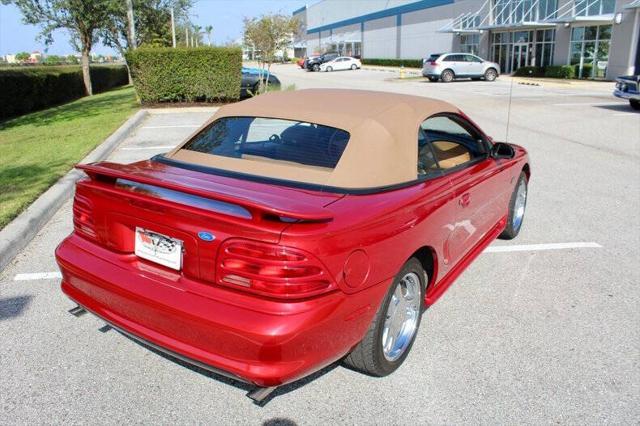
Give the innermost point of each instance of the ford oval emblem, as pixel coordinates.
(206, 236)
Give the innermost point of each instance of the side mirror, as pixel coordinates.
(502, 150)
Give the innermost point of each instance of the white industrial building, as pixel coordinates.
(599, 37)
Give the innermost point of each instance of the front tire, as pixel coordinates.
(634, 104)
(517, 206)
(447, 76)
(395, 326)
(490, 74)
(329, 69)
(316, 67)
(354, 67)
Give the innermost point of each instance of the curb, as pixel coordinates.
(21, 230)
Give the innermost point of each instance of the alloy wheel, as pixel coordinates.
(401, 318)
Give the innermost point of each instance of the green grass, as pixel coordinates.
(39, 148)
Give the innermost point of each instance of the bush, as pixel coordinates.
(410, 63)
(27, 89)
(530, 72)
(559, 71)
(586, 70)
(202, 74)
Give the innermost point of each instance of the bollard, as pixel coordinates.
(401, 71)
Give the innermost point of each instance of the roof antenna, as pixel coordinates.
(506, 138)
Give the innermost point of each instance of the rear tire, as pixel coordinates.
(517, 207)
(490, 74)
(316, 67)
(634, 104)
(406, 293)
(447, 76)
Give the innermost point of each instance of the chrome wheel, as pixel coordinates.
(520, 204)
(490, 75)
(402, 317)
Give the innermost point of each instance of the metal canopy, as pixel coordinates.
(525, 14)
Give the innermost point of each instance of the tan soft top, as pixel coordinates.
(381, 151)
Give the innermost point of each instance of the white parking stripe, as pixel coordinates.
(136, 148)
(38, 276)
(539, 247)
(492, 249)
(591, 104)
(177, 126)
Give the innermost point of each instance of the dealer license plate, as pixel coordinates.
(158, 248)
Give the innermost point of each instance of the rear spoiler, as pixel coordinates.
(282, 207)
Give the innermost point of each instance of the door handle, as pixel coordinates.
(464, 200)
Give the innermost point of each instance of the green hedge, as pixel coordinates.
(27, 89)
(202, 74)
(530, 72)
(410, 63)
(551, 71)
(559, 71)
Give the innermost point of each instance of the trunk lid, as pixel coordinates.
(183, 204)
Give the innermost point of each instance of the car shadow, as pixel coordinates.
(618, 108)
(281, 390)
(13, 307)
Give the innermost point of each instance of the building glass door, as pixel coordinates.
(520, 56)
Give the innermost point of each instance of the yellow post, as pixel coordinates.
(401, 71)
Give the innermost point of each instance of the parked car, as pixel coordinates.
(628, 87)
(313, 63)
(341, 63)
(265, 249)
(251, 78)
(450, 66)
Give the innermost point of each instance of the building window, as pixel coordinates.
(544, 47)
(509, 12)
(589, 51)
(593, 7)
(469, 43)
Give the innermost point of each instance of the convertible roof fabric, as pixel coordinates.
(382, 150)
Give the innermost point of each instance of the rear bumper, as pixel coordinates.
(258, 341)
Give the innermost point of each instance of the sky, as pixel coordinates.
(226, 17)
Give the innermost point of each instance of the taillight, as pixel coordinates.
(271, 270)
(83, 216)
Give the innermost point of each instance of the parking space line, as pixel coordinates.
(493, 249)
(37, 276)
(177, 126)
(136, 148)
(591, 104)
(540, 247)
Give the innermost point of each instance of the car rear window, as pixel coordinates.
(272, 139)
(435, 56)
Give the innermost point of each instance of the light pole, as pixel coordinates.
(173, 29)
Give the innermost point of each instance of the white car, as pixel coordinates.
(341, 63)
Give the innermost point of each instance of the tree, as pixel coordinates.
(208, 29)
(22, 56)
(54, 60)
(197, 32)
(71, 59)
(153, 23)
(269, 34)
(81, 18)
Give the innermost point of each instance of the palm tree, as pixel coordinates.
(197, 31)
(208, 29)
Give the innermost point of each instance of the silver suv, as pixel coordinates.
(449, 66)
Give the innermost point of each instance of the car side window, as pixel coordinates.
(449, 58)
(453, 141)
(427, 163)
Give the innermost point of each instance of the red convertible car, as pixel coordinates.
(284, 235)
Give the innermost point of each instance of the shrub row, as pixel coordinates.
(410, 63)
(203, 74)
(552, 71)
(34, 88)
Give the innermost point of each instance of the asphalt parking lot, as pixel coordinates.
(541, 329)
